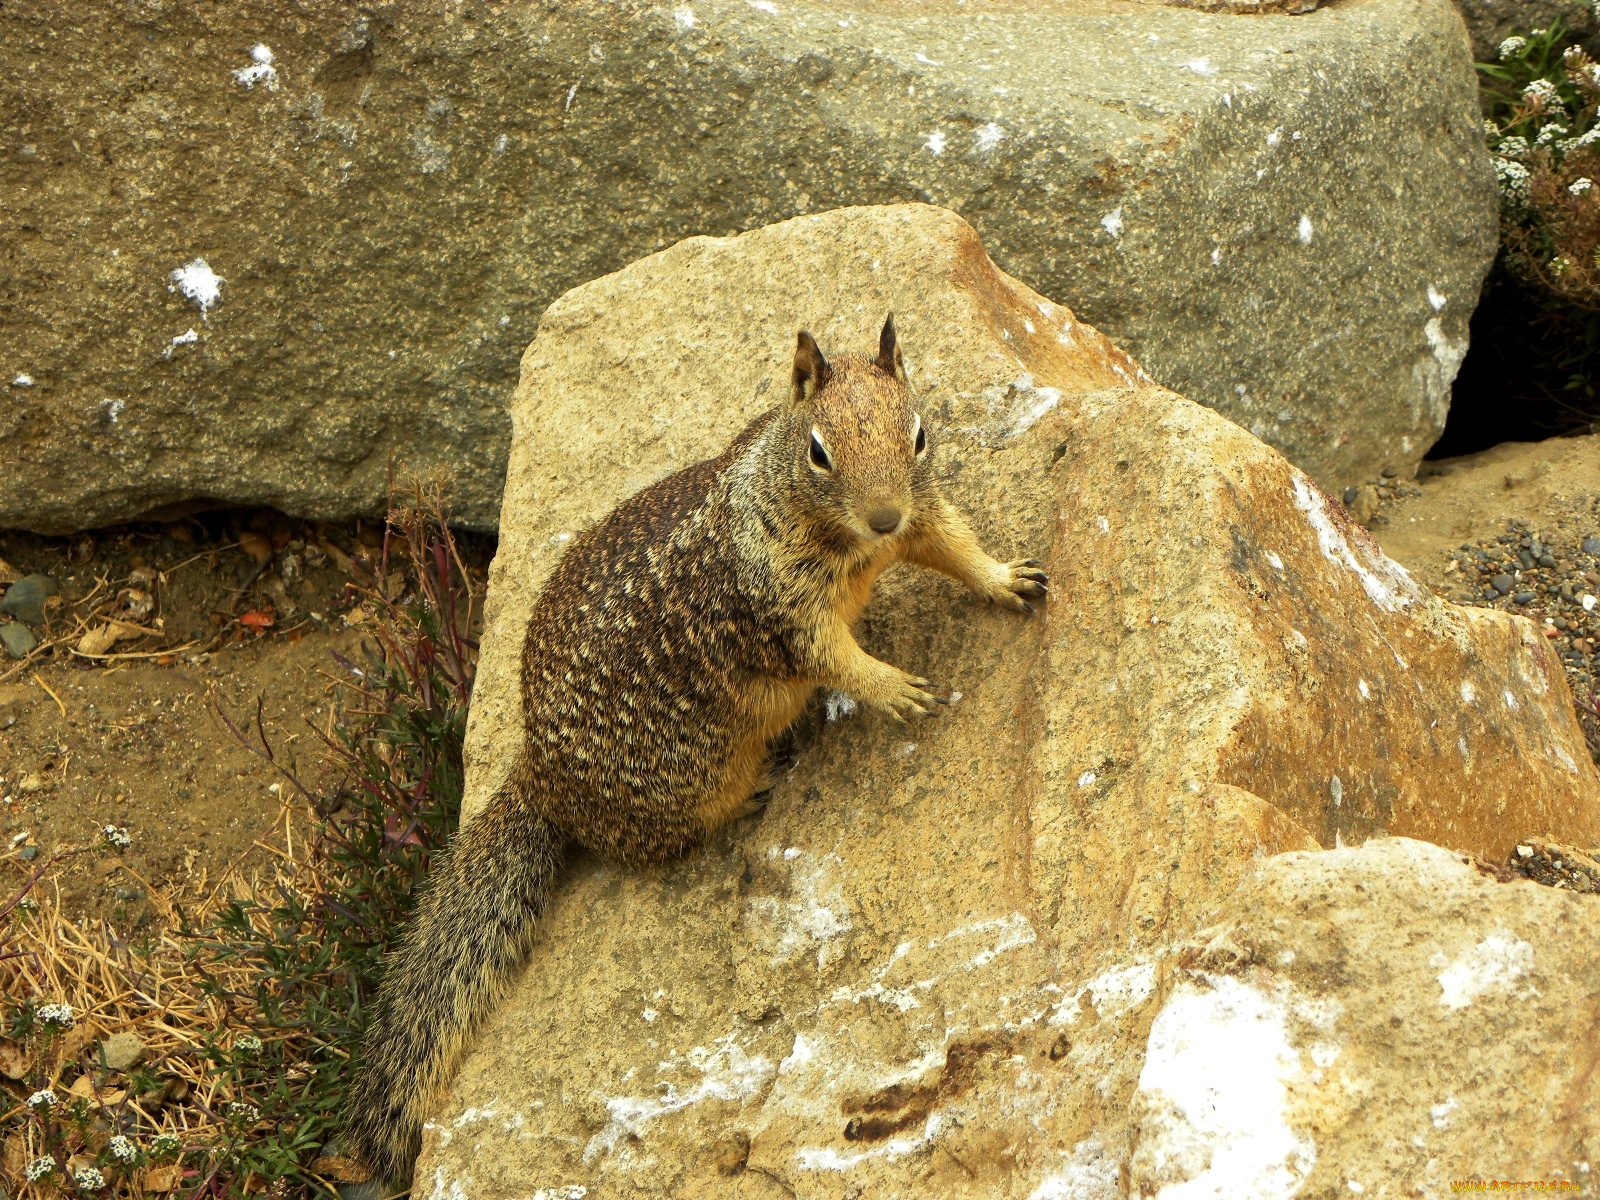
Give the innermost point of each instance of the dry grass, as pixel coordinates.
(250, 996)
(173, 998)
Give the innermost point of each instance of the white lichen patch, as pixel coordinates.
(1020, 405)
(1385, 581)
(1112, 222)
(727, 1073)
(1303, 230)
(1214, 1096)
(1004, 933)
(826, 1158)
(1437, 299)
(1493, 967)
(1111, 992)
(1091, 1172)
(989, 136)
(812, 916)
(432, 155)
(935, 142)
(837, 704)
(196, 280)
(260, 69)
(23, 379)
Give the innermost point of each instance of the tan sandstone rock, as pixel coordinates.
(930, 967)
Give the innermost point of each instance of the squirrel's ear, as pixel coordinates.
(810, 368)
(889, 360)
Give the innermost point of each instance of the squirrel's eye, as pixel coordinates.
(920, 441)
(819, 455)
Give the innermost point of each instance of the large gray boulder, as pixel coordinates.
(258, 251)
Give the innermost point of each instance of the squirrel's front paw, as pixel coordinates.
(1018, 582)
(901, 695)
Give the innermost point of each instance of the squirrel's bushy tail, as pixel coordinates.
(471, 933)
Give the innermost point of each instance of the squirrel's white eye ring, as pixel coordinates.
(919, 436)
(817, 454)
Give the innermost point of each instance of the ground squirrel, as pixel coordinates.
(673, 642)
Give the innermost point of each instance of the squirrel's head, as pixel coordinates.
(858, 443)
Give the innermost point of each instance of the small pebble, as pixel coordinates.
(28, 853)
(1523, 598)
(25, 598)
(1591, 545)
(18, 639)
(1501, 584)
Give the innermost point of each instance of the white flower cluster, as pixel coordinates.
(56, 1014)
(245, 1112)
(165, 1143)
(89, 1178)
(1513, 179)
(1549, 133)
(122, 1148)
(117, 838)
(1587, 139)
(1579, 186)
(43, 1098)
(247, 1043)
(1514, 146)
(40, 1168)
(1560, 265)
(1513, 46)
(1541, 91)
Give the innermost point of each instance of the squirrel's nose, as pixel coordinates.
(884, 520)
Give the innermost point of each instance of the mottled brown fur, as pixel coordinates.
(672, 643)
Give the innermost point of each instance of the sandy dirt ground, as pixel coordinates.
(137, 742)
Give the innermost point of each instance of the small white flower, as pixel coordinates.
(117, 838)
(1541, 91)
(1579, 186)
(56, 1014)
(1512, 177)
(43, 1098)
(1549, 133)
(1560, 265)
(245, 1112)
(89, 1178)
(122, 1148)
(1512, 146)
(165, 1143)
(40, 1168)
(1513, 46)
(247, 1043)
(1587, 139)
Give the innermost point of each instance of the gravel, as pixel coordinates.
(1553, 579)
